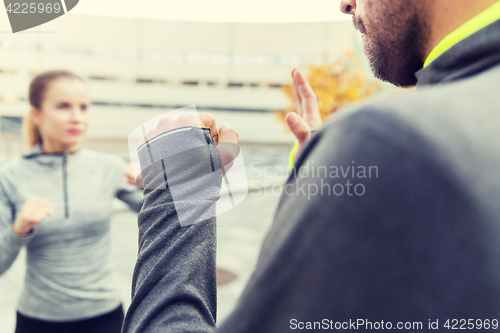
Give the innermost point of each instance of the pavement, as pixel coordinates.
(240, 233)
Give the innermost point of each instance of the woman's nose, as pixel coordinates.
(348, 6)
(77, 115)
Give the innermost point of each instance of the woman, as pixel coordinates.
(57, 201)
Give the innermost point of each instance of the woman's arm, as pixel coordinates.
(10, 242)
(174, 282)
(132, 196)
(126, 192)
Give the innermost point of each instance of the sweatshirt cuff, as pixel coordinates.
(13, 240)
(185, 162)
(291, 158)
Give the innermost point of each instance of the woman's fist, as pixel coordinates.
(34, 210)
(225, 139)
(170, 122)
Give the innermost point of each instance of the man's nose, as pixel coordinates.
(348, 6)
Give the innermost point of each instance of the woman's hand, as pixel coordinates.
(33, 212)
(129, 173)
(307, 118)
(228, 146)
(168, 122)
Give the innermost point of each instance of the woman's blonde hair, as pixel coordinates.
(36, 94)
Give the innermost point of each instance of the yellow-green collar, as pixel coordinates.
(470, 27)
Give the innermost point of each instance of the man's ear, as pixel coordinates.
(35, 115)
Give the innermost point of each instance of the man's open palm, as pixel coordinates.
(307, 118)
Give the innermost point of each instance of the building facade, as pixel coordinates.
(137, 69)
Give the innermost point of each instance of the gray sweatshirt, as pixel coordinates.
(414, 241)
(68, 273)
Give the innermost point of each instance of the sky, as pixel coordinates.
(217, 10)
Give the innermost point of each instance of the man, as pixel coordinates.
(405, 233)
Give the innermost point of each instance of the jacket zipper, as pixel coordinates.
(65, 186)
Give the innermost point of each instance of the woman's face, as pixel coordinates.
(63, 118)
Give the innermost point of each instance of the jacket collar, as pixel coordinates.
(52, 160)
(471, 56)
(37, 151)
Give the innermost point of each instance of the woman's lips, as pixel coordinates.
(74, 131)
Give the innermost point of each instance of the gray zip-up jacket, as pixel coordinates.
(392, 223)
(68, 273)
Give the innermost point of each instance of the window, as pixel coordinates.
(190, 83)
(234, 85)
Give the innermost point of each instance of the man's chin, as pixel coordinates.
(389, 69)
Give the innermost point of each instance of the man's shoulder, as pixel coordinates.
(461, 111)
(452, 127)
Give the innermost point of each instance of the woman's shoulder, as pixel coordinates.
(12, 166)
(10, 171)
(104, 159)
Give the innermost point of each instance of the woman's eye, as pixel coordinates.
(64, 106)
(84, 107)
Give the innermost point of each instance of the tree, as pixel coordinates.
(335, 84)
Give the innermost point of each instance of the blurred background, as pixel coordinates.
(140, 68)
(232, 59)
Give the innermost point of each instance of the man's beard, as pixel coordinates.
(395, 47)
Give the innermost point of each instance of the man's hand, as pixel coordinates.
(226, 138)
(33, 212)
(307, 118)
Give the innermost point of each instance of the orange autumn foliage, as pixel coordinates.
(334, 84)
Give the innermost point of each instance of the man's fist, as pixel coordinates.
(168, 122)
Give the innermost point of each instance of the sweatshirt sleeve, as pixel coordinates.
(174, 280)
(128, 193)
(10, 242)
